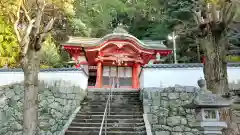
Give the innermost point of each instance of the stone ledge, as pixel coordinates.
(68, 123)
(147, 125)
(165, 110)
(53, 112)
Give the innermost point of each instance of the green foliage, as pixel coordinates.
(66, 6)
(94, 17)
(80, 28)
(145, 19)
(233, 58)
(50, 54)
(9, 49)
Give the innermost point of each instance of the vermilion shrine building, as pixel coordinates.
(115, 59)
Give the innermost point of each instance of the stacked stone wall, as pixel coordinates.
(166, 112)
(57, 101)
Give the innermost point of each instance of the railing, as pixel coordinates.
(107, 112)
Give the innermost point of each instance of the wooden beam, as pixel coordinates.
(111, 58)
(125, 54)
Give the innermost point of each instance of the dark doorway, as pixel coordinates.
(92, 78)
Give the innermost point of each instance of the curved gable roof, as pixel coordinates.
(118, 35)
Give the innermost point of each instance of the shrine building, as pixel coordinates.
(114, 60)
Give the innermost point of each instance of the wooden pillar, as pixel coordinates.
(75, 58)
(135, 73)
(99, 75)
(203, 59)
(133, 76)
(138, 69)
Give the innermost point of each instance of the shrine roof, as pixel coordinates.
(119, 33)
(92, 42)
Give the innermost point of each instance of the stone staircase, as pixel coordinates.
(126, 114)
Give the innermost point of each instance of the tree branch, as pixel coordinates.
(197, 17)
(46, 30)
(213, 12)
(17, 21)
(26, 13)
(40, 37)
(228, 7)
(39, 14)
(25, 42)
(236, 30)
(222, 11)
(230, 15)
(49, 26)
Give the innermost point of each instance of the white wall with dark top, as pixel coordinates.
(165, 75)
(77, 77)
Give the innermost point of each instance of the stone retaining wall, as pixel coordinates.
(166, 114)
(57, 101)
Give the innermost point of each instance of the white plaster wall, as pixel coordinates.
(78, 78)
(165, 77)
(141, 79)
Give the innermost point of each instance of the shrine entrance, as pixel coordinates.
(92, 76)
(117, 77)
(116, 57)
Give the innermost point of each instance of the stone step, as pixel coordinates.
(111, 113)
(118, 100)
(102, 97)
(104, 103)
(126, 116)
(109, 116)
(106, 96)
(113, 92)
(112, 108)
(108, 124)
(122, 90)
(137, 120)
(77, 128)
(103, 133)
(112, 105)
(115, 109)
(114, 95)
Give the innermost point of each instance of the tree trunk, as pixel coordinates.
(215, 68)
(30, 64)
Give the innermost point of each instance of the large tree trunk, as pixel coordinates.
(30, 64)
(215, 68)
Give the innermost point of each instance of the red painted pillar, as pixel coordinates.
(75, 57)
(99, 75)
(133, 76)
(138, 67)
(203, 59)
(135, 73)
